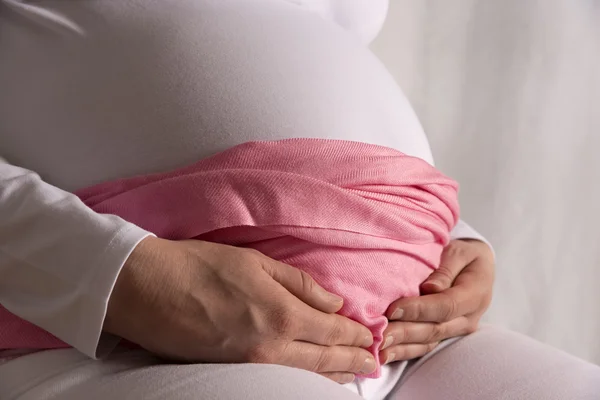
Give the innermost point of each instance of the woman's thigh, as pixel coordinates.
(496, 364)
(135, 375)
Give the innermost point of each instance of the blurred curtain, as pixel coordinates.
(508, 92)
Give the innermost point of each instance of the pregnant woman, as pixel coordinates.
(99, 90)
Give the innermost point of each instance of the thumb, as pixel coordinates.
(304, 287)
(455, 258)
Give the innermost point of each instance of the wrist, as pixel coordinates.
(124, 312)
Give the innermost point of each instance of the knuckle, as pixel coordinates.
(334, 335)
(457, 249)
(250, 258)
(401, 335)
(482, 249)
(283, 323)
(321, 362)
(308, 284)
(448, 308)
(401, 353)
(444, 273)
(262, 354)
(452, 247)
(431, 346)
(415, 312)
(357, 361)
(257, 258)
(437, 333)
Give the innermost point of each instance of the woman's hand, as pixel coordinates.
(452, 301)
(196, 301)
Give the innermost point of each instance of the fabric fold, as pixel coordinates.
(367, 222)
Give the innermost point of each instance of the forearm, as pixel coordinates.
(59, 260)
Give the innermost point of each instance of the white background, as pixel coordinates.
(509, 94)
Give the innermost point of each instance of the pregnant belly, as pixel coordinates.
(155, 88)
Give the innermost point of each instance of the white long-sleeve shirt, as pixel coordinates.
(146, 89)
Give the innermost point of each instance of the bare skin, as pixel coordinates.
(195, 301)
(452, 301)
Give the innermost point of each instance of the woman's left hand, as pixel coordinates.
(452, 301)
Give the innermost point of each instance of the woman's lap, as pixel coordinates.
(497, 364)
(489, 364)
(135, 375)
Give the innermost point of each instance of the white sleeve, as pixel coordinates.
(59, 259)
(464, 231)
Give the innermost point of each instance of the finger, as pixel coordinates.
(455, 257)
(405, 352)
(464, 298)
(471, 289)
(333, 330)
(303, 286)
(439, 307)
(426, 332)
(340, 377)
(323, 359)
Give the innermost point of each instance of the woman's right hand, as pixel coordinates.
(197, 301)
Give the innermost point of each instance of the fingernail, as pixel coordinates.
(334, 298)
(368, 342)
(388, 341)
(390, 358)
(434, 282)
(347, 379)
(369, 366)
(397, 314)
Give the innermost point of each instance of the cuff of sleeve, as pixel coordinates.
(90, 339)
(462, 230)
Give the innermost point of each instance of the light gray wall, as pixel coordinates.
(509, 94)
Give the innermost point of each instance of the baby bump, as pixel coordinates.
(151, 87)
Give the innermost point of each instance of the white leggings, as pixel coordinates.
(491, 364)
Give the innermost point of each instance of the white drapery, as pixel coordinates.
(509, 95)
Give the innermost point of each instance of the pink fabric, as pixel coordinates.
(367, 222)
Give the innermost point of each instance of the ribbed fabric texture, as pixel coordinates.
(367, 222)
